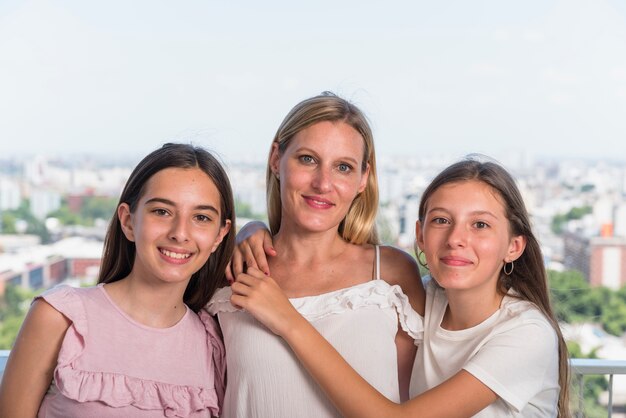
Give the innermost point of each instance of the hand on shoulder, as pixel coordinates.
(253, 246)
(261, 296)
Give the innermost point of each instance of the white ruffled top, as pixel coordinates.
(266, 380)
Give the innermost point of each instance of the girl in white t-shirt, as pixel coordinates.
(492, 346)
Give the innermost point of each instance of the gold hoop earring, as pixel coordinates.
(508, 271)
(423, 262)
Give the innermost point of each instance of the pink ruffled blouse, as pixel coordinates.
(112, 366)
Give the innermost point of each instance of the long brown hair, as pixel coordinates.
(529, 277)
(359, 224)
(119, 253)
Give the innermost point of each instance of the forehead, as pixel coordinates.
(330, 137)
(182, 185)
(470, 195)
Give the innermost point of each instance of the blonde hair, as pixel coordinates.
(359, 224)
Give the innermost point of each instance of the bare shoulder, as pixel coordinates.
(33, 358)
(45, 321)
(42, 313)
(399, 268)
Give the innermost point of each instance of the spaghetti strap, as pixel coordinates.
(377, 262)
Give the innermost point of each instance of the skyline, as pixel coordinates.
(539, 78)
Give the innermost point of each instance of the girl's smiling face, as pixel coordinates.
(175, 226)
(466, 237)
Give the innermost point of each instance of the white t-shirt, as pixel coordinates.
(514, 352)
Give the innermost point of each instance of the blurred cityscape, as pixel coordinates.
(54, 214)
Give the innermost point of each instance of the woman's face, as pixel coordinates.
(320, 175)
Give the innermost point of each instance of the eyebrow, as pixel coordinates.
(474, 213)
(171, 203)
(349, 159)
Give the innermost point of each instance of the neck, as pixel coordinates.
(158, 306)
(466, 310)
(309, 247)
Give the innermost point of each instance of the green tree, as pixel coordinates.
(571, 296)
(97, 207)
(13, 307)
(34, 225)
(8, 331)
(244, 210)
(559, 220)
(8, 223)
(92, 208)
(65, 215)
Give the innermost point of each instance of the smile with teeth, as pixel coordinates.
(171, 254)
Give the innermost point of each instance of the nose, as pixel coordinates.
(322, 179)
(457, 236)
(179, 231)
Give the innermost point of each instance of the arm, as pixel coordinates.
(461, 396)
(254, 244)
(399, 268)
(31, 364)
(406, 350)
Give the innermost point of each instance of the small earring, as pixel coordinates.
(423, 262)
(510, 270)
(277, 176)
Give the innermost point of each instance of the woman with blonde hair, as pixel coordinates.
(322, 201)
(492, 346)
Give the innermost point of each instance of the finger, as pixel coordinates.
(237, 262)
(248, 254)
(240, 288)
(238, 301)
(229, 273)
(249, 279)
(261, 259)
(256, 273)
(268, 244)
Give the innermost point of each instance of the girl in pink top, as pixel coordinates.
(138, 344)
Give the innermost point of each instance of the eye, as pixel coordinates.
(344, 168)
(203, 218)
(440, 221)
(481, 225)
(306, 159)
(160, 212)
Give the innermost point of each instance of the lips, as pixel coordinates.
(175, 255)
(318, 202)
(456, 261)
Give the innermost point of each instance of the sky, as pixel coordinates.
(544, 78)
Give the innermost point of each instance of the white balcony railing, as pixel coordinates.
(586, 367)
(580, 368)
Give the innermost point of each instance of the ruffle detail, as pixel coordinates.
(118, 390)
(218, 353)
(220, 302)
(377, 293)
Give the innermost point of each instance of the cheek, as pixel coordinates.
(491, 247)
(348, 187)
(292, 179)
(206, 238)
